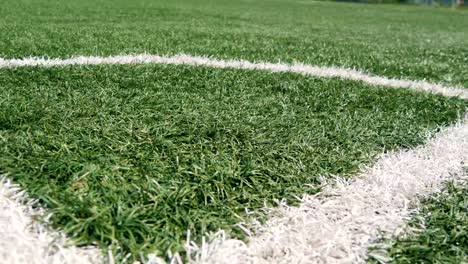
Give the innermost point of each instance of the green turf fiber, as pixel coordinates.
(134, 156)
(444, 238)
(397, 41)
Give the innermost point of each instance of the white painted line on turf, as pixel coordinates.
(340, 223)
(183, 59)
(24, 240)
(336, 225)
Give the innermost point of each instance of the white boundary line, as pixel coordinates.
(183, 59)
(25, 240)
(340, 223)
(336, 225)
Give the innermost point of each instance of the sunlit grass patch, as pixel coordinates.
(402, 41)
(134, 156)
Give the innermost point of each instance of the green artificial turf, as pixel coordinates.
(444, 238)
(134, 156)
(398, 41)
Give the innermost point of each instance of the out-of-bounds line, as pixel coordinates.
(347, 216)
(183, 59)
(23, 239)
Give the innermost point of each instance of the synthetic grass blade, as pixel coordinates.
(183, 59)
(438, 233)
(133, 156)
(341, 222)
(23, 239)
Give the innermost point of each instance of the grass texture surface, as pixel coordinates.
(439, 233)
(134, 156)
(395, 41)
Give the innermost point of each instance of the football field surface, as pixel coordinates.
(135, 150)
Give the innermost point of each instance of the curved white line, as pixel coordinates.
(336, 225)
(23, 239)
(183, 59)
(340, 223)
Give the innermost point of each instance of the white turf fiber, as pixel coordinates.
(183, 59)
(334, 226)
(340, 223)
(23, 239)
